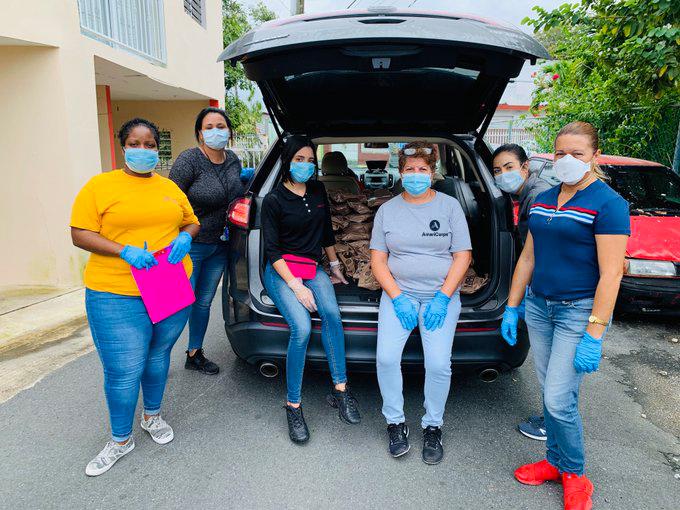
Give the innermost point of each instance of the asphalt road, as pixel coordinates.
(231, 449)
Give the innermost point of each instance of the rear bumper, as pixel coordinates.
(473, 348)
(657, 296)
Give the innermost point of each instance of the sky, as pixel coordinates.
(508, 11)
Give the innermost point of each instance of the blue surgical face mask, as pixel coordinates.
(216, 138)
(416, 183)
(510, 182)
(141, 161)
(301, 171)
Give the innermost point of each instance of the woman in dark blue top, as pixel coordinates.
(573, 263)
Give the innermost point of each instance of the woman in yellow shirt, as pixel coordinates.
(121, 217)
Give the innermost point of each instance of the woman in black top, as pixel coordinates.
(210, 176)
(297, 224)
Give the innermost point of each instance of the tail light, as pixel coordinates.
(239, 212)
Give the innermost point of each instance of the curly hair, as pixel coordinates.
(430, 159)
(126, 128)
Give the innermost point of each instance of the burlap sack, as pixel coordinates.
(336, 197)
(375, 202)
(360, 198)
(361, 250)
(339, 222)
(366, 278)
(360, 218)
(359, 207)
(348, 261)
(356, 232)
(340, 209)
(472, 283)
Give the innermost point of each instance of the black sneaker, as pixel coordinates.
(433, 451)
(346, 405)
(297, 428)
(199, 362)
(398, 433)
(533, 427)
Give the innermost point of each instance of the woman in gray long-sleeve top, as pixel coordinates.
(210, 175)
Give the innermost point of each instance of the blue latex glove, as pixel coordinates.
(180, 247)
(405, 311)
(139, 258)
(588, 354)
(247, 174)
(435, 313)
(509, 324)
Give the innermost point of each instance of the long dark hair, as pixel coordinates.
(517, 150)
(205, 111)
(291, 145)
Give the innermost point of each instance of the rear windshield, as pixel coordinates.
(360, 155)
(647, 188)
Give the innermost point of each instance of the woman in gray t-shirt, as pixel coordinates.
(420, 251)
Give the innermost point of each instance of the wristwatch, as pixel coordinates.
(594, 320)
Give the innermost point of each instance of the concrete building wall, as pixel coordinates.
(38, 169)
(54, 134)
(177, 117)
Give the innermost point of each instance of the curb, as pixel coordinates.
(39, 325)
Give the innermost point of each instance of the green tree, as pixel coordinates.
(237, 21)
(617, 65)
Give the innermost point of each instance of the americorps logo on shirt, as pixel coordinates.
(434, 227)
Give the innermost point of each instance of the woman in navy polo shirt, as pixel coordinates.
(573, 261)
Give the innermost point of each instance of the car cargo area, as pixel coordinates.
(360, 177)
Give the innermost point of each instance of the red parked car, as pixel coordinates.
(651, 283)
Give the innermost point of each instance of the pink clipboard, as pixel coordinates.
(165, 288)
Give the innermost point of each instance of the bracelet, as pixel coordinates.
(334, 263)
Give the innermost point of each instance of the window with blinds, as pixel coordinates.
(194, 8)
(165, 146)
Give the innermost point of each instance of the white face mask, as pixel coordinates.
(570, 170)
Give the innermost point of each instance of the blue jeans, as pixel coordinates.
(437, 347)
(132, 351)
(210, 261)
(300, 324)
(555, 329)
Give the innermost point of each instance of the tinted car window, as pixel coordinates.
(535, 165)
(548, 174)
(646, 188)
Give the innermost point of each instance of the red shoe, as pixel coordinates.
(537, 473)
(577, 492)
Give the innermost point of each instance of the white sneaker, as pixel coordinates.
(108, 457)
(158, 429)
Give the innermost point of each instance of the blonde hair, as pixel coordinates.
(588, 130)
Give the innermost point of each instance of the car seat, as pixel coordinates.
(336, 175)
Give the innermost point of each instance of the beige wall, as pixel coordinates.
(103, 129)
(53, 124)
(175, 116)
(38, 169)
(192, 50)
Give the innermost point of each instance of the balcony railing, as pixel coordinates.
(136, 26)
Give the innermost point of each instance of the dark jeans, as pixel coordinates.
(132, 351)
(300, 324)
(210, 262)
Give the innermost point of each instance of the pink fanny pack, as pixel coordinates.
(301, 267)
